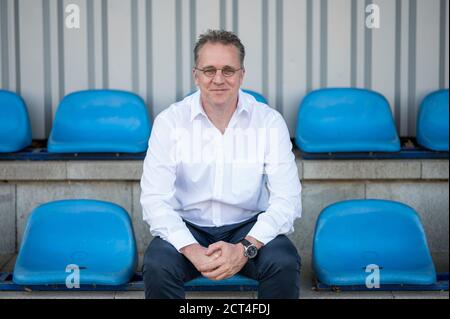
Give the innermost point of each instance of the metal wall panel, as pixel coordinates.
(31, 59)
(293, 47)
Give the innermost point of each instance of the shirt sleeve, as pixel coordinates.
(158, 187)
(283, 184)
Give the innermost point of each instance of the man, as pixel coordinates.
(220, 187)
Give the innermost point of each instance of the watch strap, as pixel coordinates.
(245, 242)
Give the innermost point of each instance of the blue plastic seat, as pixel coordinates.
(257, 96)
(99, 121)
(432, 121)
(15, 128)
(346, 120)
(354, 234)
(96, 236)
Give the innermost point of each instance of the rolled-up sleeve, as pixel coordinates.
(158, 187)
(283, 185)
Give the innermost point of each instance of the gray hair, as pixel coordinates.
(219, 36)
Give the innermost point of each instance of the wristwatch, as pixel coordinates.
(250, 250)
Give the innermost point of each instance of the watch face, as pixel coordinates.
(252, 251)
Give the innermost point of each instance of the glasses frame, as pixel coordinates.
(215, 73)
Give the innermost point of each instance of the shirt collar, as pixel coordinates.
(197, 108)
(242, 103)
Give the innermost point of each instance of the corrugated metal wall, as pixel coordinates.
(293, 46)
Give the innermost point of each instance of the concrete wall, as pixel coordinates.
(293, 47)
(422, 184)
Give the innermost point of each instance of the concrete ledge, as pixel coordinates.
(441, 261)
(435, 169)
(367, 169)
(141, 229)
(18, 170)
(7, 218)
(307, 169)
(4, 260)
(299, 168)
(100, 170)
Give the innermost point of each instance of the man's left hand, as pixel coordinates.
(230, 262)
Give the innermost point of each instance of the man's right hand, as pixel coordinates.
(197, 255)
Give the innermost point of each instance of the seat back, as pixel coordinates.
(15, 128)
(258, 97)
(432, 121)
(345, 120)
(354, 234)
(96, 236)
(100, 121)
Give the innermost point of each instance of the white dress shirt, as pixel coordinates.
(195, 173)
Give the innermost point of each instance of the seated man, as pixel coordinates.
(220, 188)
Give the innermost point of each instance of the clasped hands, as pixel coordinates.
(219, 261)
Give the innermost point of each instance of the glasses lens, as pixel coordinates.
(211, 72)
(227, 71)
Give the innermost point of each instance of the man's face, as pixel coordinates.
(218, 90)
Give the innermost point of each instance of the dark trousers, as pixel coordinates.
(276, 267)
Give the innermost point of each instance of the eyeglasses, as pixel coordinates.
(210, 72)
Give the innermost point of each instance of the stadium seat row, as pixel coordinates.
(329, 120)
(97, 239)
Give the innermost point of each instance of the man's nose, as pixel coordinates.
(218, 78)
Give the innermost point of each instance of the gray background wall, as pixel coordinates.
(293, 47)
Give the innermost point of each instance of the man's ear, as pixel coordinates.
(242, 76)
(194, 75)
